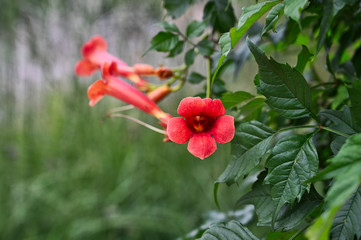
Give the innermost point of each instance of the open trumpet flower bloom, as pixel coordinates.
(95, 55)
(113, 86)
(203, 123)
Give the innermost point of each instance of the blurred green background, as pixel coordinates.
(65, 172)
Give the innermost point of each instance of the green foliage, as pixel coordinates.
(260, 197)
(295, 153)
(195, 78)
(163, 42)
(176, 8)
(195, 28)
(286, 90)
(232, 99)
(228, 231)
(346, 222)
(219, 15)
(250, 143)
(292, 161)
(303, 58)
(294, 7)
(249, 16)
(272, 18)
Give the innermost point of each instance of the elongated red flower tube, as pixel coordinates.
(113, 86)
(159, 93)
(203, 123)
(144, 69)
(95, 55)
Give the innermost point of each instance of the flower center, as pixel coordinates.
(200, 123)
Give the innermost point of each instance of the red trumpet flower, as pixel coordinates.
(120, 89)
(95, 55)
(204, 124)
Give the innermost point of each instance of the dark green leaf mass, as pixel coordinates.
(285, 88)
(293, 161)
(228, 231)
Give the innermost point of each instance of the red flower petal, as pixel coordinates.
(178, 131)
(191, 106)
(214, 108)
(85, 68)
(223, 129)
(97, 43)
(96, 92)
(202, 145)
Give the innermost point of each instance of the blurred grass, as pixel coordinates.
(64, 174)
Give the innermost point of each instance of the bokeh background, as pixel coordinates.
(65, 171)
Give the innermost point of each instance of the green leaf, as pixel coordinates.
(320, 228)
(163, 42)
(303, 58)
(195, 28)
(177, 49)
(325, 23)
(219, 15)
(249, 16)
(286, 90)
(280, 236)
(348, 176)
(337, 143)
(260, 197)
(272, 18)
(225, 42)
(189, 57)
(340, 4)
(169, 27)
(355, 97)
(346, 169)
(291, 216)
(340, 98)
(341, 119)
(293, 8)
(347, 221)
(176, 8)
(251, 107)
(195, 78)
(250, 143)
(230, 99)
(293, 161)
(205, 47)
(228, 231)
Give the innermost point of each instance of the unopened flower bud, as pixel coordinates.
(164, 73)
(159, 93)
(143, 69)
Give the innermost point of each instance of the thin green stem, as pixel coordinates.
(187, 39)
(323, 84)
(179, 86)
(208, 94)
(320, 127)
(298, 127)
(335, 131)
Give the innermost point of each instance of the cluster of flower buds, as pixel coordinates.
(204, 122)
